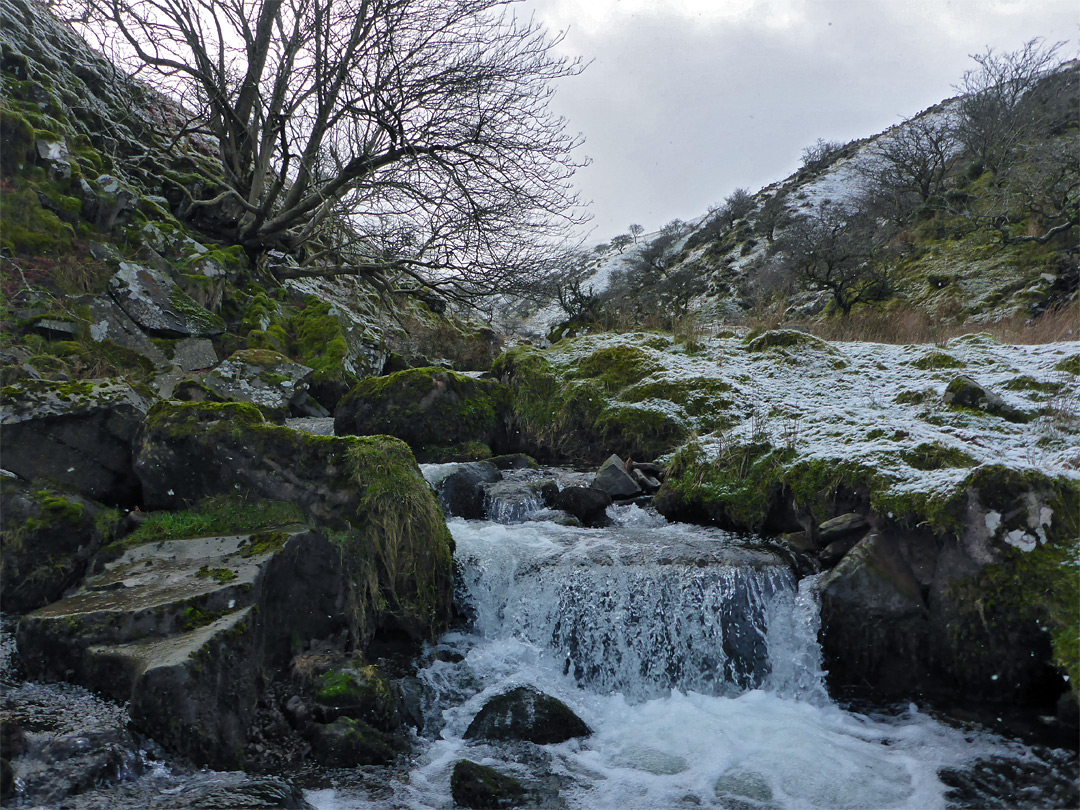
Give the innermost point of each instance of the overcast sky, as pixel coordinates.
(686, 100)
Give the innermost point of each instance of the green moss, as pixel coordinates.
(937, 360)
(915, 397)
(1070, 365)
(638, 432)
(351, 686)
(784, 339)
(57, 507)
(194, 617)
(28, 229)
(216, 574)
(205, 321)
(616, 367)
(1025, 383)
(697, 396)
(321, 341)
(262, 543)
(929, 456)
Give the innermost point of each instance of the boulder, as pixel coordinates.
(368, 489)
(49, 536)
(461, 492)
(484, 788)
(613, 479)
(76, 434)
(270, 381)
(442, 415)
(157, 304)
(512, 501)
(587, 504)
(840, 527)
(184, 630)
(357, 691)
(525, 713)
(110, 203)
(964, 392)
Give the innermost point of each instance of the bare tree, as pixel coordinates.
(821, 154)
(838, 249)
(910, 165)
(341, 124)
(995, 115)
(636, 231)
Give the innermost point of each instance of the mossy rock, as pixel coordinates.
(347, 743)
(48, 538)
(787, 339)
(483, 788)
(367, 491)
(528, 714)
(434, 410)
(358, 691)
(615, 367)
(937, 361)
(638, 432)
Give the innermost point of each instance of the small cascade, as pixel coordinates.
(632, 611)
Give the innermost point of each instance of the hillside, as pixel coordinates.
(949, 237)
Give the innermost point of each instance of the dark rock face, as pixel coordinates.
(613, 479)
(441, 415)
(76, 434)
(526, 713)
(462, 492)
(48, 539)
(268, 380)
(587, 504)
(483, 788)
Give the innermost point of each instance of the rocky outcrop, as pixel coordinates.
(442, 415)
(76, 434)
(527, 714)
(975, 616)
(368, 487)
(159, 306)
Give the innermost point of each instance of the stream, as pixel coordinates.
(691, 653)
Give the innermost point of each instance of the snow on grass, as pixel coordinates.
(874, 404)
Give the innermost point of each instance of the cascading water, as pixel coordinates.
(690, 653)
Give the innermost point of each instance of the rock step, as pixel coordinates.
(121, 665)
(151, 592)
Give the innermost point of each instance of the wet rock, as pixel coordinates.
(235, 791)
(346, 743)
(648, 484)
(266, 379)
(482, 788)
(528, 714)
(77, 434)
(48, 539)
(835, 551)
(7, 780)
(157, 304)
(71, 764)
(587, 504)
(511, 501)
(613, 479)
(841, 526)
(462, 491)
(358, 691)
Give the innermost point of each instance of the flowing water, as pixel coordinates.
(693, 657)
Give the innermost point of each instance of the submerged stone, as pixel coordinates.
(484, 788)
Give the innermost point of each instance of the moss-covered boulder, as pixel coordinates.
(369, 490)
(48, 537)
(76, 434)
(964, 392)
(442, 415)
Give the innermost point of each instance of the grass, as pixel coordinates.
(222, 515)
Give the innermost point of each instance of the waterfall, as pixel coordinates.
(639, 609)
